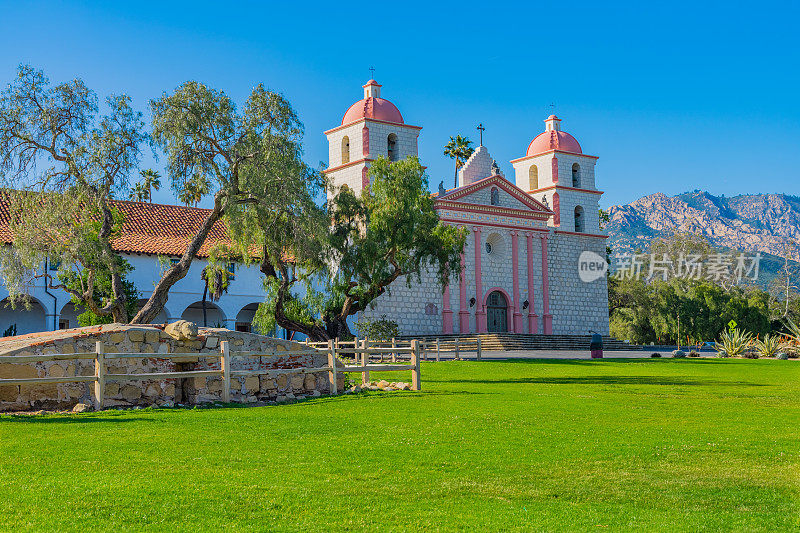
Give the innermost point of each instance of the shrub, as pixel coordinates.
(782, 356)
(750, 354)
(381, 329)
(655, 354)
(694, 353)
(678, 354)
(733, 342)
(768, 346)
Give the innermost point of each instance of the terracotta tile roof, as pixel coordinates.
(149, 228)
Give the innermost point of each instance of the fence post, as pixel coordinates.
(415, 381)
(364, 362)
(332, 364)
(225, 364)
(356, 344)
(458, 356)
(479, 348)
(438, 351)
(100, 375)
(394, 354)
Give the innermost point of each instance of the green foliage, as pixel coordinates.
(10, 331)
(102, 294)
(733, 342)
(61, 161)
(143, 190)
(379, 329)
(678, 354)
(645, 312)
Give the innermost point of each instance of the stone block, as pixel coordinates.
(169, 390)
(297, 382)
(56, 371)
(251, 383)
(212, 342)
(199, 383)
(267, 383)
(310, 382)
(112, 389)
(131, 393)
(214, 386)
(17, 371)
(116, 338)
(42, 392)
(9, 393)
(152, 390)
(282, 381)
(152, 336)
(136, 335)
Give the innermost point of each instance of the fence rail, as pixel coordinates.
(395, 347)
(331, 348)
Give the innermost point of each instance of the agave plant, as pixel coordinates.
(791, 343)
(769, 345)
(733, 342)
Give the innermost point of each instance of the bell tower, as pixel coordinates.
(555, 171)
(372, 127)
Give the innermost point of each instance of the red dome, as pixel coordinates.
(375, 108)
(554, 140)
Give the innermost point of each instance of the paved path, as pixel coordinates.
(558, 354)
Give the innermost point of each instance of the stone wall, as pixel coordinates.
(202, 353)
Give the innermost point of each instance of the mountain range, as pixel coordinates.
(749, 223)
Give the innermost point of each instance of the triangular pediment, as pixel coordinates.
(510, 196)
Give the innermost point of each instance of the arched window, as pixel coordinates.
(576, 175)
(580, 227)
(391, 149)
(533, 178)
(345, 149)
(495, 196)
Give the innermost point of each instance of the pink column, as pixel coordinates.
(517, 323)
(533, 324)
(547, 318)
(480, 311)
(463, 310)
(447, 314)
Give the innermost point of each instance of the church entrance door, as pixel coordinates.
(496, 313)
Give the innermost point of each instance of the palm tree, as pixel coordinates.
(194, 190)
(151, 179)
(460, 150)
(138, 193)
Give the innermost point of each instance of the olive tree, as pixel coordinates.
(242, 155)
(61, 163)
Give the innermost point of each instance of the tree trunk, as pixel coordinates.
(179, 270)
(205, 293)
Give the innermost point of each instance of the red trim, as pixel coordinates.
(565, 188)
(581, 234)
(490, 210)
(350, 164)
(557, 209)
(463, 222)
(502, 183)
(337, 128)
(552, 152)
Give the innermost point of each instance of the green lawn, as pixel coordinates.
(522, 445)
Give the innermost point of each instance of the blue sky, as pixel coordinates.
(671, 97)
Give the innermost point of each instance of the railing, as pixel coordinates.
(101, 376)
(427, 347)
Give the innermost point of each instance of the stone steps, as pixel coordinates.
(513, 341)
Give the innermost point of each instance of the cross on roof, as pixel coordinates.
(481, 129)
(372, 73)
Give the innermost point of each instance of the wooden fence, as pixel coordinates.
(101, 376)
(429, 349)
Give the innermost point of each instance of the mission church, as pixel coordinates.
(520, 266)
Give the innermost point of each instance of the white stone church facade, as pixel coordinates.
(520, 266)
